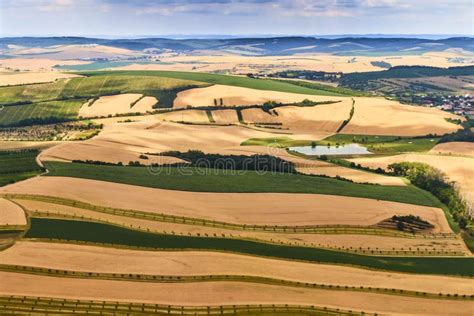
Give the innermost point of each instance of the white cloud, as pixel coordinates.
(56, 5)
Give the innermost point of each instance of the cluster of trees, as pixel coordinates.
(463, 135)
(434, 181)
(268, 163)
(409, 222)
(346, 121)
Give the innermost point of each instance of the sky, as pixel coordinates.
(129, 18)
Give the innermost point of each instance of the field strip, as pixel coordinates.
(269, 209)
(43, 229)
(229, 96)
(62, 306)
(356, 244)
(355, 240)
(222, 278)
(222, 293)
(11, 214)
(310, 229)
(80, 258)
(208, 180)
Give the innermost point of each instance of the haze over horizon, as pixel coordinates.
(209, 18)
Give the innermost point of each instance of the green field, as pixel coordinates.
(40, 112)
(18, 165)
(383, 144)
(279, 142)
(216, 180)
(237, 81)
(109, 234)
(336, 91)
(375, 144)
(61, 100)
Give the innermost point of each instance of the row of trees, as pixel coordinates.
(434, 181)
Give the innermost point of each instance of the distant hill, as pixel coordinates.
(261, 46)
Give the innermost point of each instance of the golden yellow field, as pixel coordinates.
(117, 104)
(243, 208)
(13, 78)
(248, 246)
(34, 64)
(182, 263)
(222, 293)
(347, 241)
(237, 64)
(454, 149)
(11, 214)
(372, 116)
(458, 169)
(378, 116)
(232, 96)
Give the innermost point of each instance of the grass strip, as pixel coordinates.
(217, 180)
(109, 234)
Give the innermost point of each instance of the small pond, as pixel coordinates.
(351, 149)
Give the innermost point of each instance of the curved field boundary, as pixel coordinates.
(30, 304)
(225, 278)
(313, 229)
(237, 81)
(226, 181)
(368, 251)
(347, 121)
(103, 234)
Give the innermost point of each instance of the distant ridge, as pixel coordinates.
(261, 46)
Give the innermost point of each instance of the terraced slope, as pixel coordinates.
(202, 180)
(61, 100)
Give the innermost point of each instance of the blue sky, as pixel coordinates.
(234, 17)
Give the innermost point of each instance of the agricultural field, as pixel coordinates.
(62, 100)
(168, 192)
(18, 165)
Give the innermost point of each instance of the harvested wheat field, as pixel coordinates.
(14, 145)
(232, 63)
(11, 214)
(187, 116)
(158, 136)
(234, 96)
(314, 120)
(91, 150)
(454, 149)
(225, 117)
(127, 141)
(244, 208)
(117, 104)
(458, 169)
(11, 79)
(184, 263)
(377, 116)
(35, 64)
(68, 52)
(331, 241)
(221, 293)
